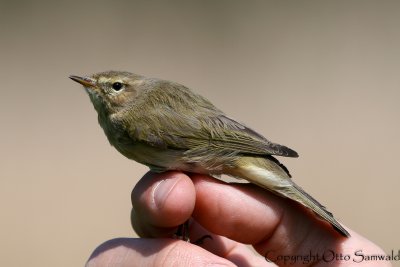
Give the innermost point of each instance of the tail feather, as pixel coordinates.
(305, 199)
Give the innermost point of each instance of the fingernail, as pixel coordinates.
(162, 190)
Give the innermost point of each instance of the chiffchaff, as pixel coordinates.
(166, 126)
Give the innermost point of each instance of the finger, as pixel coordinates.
(274, 225)
(123, 252)
(238, 211)
(161, 202)
(160, 220)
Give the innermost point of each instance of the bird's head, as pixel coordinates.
(112, 90)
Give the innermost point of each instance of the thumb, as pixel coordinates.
(121, 252)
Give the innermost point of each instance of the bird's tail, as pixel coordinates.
(271, 176)
(298, 194)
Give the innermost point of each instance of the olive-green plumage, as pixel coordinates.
(166, 126)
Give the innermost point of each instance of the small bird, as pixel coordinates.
(166, 126)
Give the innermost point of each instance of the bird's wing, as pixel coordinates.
(201, 128)
(222, 132)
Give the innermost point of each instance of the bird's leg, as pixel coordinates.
(183, 234)
(200, 241)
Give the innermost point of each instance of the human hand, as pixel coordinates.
(234, 215)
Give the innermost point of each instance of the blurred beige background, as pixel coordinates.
(321, 77)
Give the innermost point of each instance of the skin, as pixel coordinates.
(166, 126)
(271, 224)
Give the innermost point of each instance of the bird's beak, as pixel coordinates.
(85, 81)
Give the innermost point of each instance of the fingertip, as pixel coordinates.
(164, 199)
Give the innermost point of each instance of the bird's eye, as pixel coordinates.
(117, 86)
